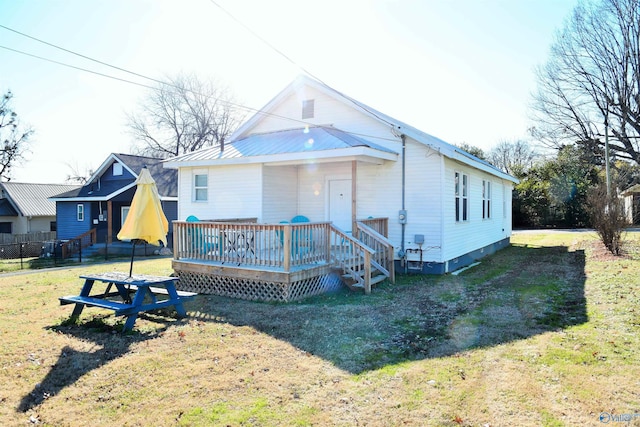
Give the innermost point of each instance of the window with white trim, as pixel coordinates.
(461, 196)
(486, 199)
(124, 212)
(80, 212)
(200, 187)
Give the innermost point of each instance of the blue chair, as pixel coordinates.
(280, 234)
(199, 240)
(302, 240)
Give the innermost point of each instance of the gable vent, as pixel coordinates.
(308, 109)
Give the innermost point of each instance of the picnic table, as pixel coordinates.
(128, 297)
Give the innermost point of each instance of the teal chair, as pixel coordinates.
(301, 240)
(280, 234)
(199, 240)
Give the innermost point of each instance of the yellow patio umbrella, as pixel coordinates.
(145, 220)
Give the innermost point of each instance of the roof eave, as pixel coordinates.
(365, 154)
(94, 198)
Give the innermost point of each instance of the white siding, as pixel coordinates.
(328, 112)
(312, 187)
(380, 195)
(280, 189)
(465, 236)
(233, 191)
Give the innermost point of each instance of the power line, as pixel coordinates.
(82, 56)
(232, 104)
(279, 52)
(75, 67)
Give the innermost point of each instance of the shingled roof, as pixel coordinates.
(97, 189)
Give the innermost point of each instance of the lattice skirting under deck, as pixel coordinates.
(251, 289)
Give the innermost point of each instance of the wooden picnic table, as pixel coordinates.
(128, 298)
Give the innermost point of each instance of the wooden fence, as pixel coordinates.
(39, 236)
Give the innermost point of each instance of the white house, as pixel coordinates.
(315, 152)
(25, 208)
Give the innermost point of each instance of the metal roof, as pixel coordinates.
(302, 140)
(33, 199)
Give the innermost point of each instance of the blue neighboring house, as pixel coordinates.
(103, 202)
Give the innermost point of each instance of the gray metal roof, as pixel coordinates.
(303, 140)
(33, 199)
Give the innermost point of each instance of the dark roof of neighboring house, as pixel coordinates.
(33, 199)
(6, 209)
(166, 179)
(96, 189)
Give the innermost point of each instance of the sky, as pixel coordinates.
(461, 70)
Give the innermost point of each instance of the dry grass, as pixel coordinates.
(542, 333)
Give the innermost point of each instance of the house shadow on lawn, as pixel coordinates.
(108, 343)
(514, 294)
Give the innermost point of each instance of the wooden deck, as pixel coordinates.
(277, 262)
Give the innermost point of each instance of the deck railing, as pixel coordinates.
(250, 244)
(381, 225)
(285, 246)
(383, 252)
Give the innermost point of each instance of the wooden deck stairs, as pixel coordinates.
(362, 260)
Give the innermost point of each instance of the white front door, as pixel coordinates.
(340, 203)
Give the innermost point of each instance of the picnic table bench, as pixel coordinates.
(130, 292)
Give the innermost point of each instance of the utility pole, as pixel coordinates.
(606, 152)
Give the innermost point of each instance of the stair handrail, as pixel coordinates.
(383, 259)
(351, 256)
(68, 248)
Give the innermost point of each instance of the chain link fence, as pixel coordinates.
(21, 250)
(17, 256)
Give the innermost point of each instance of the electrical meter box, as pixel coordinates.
(402, 216)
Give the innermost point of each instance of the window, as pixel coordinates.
(117, 169)
(486, 199)
(53, 226)
(200, 189)
(124, 211)
(461, 196)
(5, 227)
(308, 109)
(80, 212)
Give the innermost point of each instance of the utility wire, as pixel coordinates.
(83, 56)
(279, 52)
(77, 68)
(240, 106)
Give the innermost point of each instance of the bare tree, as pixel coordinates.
(184, 115)
(593, 77)
(472, 149)
(14, 138)
(514, 158)
(76, 176)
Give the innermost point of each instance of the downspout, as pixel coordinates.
(403, 223)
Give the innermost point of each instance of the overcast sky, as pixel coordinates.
(461, 70)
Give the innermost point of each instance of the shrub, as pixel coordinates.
(607, 217)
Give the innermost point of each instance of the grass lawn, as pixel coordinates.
(544, 333)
